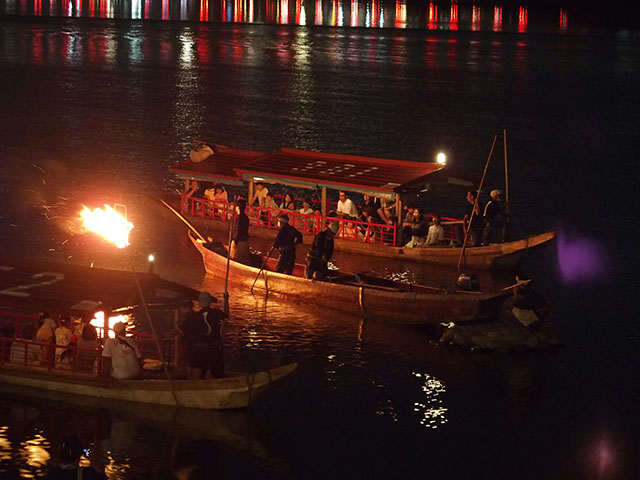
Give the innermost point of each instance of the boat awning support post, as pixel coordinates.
(323, 206)
(250, 197)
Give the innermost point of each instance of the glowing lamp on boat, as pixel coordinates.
(98, 322)
(441, 158)
(107, 223)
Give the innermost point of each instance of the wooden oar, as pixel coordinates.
(261, 268)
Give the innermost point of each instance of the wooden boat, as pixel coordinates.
(384, 178)
(496, 256)
(29, 287)
(359, 294)
(218, 394)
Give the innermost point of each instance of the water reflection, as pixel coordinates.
(446, 15)
(35, 456)
(431, 407)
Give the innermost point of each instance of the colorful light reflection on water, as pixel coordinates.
(349, 13)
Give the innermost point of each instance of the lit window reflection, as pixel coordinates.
(433, 411)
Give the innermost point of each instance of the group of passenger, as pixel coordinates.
(69, 345)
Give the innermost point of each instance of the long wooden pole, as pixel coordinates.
(475, 204)
(226, 276)
(506, 175)
(261, 268)
(153, 329)
(193, 229)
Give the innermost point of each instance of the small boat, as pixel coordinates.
(236, 391)
(28, 287)
(384, 178)
(360, 294)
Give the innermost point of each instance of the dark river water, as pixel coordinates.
(98, 99)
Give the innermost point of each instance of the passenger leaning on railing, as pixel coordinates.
(63, 337)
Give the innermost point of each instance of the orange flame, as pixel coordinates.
(98, 322)
(108, 223)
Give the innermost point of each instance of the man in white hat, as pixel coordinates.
(320, 253)
(493, 218)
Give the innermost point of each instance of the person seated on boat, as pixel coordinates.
(260, 195)
(286, 240)
(346, 208)
(46, 335)
(240, 235)
(121, 357)
(435, 237)
(288, 203)
(26, 352)
(308, 223)
(218, 196)
(473, 212)
(270, 211)
(320, 253)
(494, 220)
(70, 452)
(63, 336)
(87, 354)
(203, 340)
(386, 212)
(306, 207)
(419, 229)
(406, 222)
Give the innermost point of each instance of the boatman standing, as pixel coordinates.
(320, 253)
(286, 241)
(240, 234)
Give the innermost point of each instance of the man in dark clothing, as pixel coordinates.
(240, 234)
(493, 218)
(286, 241)
(203, 340)
(320, 253)
(474, 209)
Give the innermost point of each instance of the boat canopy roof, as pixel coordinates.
(219, 167)
(28, 286)
(308, 169)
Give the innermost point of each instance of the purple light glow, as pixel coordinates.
(580, 258)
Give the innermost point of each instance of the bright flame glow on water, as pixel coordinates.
(34, 453)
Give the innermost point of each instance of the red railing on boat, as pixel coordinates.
(348, 229)
(48, 353)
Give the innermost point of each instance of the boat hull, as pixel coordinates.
(498, 256)
(384, 304)
(215, 394)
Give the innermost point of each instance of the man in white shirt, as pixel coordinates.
(346, 208)
(120, 356)
(260, 195)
